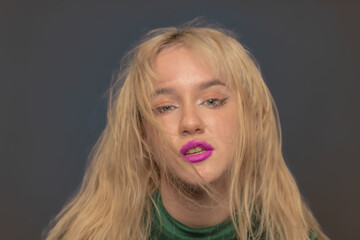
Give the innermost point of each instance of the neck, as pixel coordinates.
(195, 208)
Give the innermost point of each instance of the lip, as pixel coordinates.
(197, 157)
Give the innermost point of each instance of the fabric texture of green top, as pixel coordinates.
(169, 228)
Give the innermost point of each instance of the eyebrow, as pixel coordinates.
(211, 83)
(202, 86)
(163, 91)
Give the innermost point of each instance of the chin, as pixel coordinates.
(201, 178)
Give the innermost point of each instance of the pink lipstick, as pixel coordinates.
(196, 151)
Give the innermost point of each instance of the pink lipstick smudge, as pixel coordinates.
(198, 157)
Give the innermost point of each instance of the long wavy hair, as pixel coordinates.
(115, 198)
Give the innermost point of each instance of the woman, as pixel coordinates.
(191, 150)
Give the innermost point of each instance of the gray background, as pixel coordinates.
(57, 58)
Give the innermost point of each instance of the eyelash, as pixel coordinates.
(163, 110)
(213, 103)
(218, 102)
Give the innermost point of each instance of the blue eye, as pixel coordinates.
(214, 102)
(164, 109)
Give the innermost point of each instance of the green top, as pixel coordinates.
(173, 229)
(170, 228)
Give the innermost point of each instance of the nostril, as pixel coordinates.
(189, 131)
(191, 122)
(198, 130)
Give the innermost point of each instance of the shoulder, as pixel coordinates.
(313, 236)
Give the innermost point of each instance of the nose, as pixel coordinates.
(191, 122)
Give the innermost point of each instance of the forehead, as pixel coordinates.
(202, 86)
(179, 67)
(179, 60)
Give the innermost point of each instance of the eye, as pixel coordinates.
(214, 102)
(211, 102)
(165, 109)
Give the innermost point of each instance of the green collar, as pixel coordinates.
(170, 228)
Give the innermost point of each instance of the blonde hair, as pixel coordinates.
(115, 198)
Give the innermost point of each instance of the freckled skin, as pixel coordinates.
(190, 113)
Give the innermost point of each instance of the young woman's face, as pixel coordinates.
(198, 110)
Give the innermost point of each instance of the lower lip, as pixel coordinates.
(198, 157)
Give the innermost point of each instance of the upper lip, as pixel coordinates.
(195, 143)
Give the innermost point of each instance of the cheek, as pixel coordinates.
(225, 131)
(170, 123)
(224, 125)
